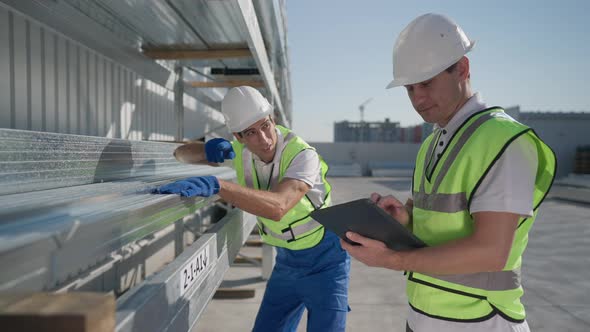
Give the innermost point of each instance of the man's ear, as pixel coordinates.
(463, 68)
(238, 137)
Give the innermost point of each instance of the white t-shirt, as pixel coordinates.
(508, 187)
(304, 167)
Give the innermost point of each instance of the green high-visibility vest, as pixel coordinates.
(441, 214)
(296, 230)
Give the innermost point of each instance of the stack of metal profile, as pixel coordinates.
(78, 213)
(71, 205)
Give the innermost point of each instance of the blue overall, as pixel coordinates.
(314, 278)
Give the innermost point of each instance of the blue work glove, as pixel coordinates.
(204, 186)
(219, 149)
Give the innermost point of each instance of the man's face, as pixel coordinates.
(260, 138)
(439, 98)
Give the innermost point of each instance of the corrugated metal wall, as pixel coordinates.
(54, 84)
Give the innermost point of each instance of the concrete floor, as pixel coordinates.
(556, 273)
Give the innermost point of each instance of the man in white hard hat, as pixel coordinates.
(281, 180)
(477, 186)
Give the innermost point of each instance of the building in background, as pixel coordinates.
(564, 132)
(416, 134)
(386, 131)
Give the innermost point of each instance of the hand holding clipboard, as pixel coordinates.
(364, 217)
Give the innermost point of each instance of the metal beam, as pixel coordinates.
(235, 71)
(177, 54)
(68, 202)
(171, 302)
(179, 103)
(227, 84)
(256, 45)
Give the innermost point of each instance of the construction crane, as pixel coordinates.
(362, 110)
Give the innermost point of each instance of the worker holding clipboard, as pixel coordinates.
(478, 182)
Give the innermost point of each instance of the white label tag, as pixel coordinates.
(194, 269)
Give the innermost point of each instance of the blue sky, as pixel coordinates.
(535, 54)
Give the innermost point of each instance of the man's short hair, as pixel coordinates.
(452, 68)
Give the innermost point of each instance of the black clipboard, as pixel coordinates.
(364, 217)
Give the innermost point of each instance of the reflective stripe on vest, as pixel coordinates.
(290, 233)
(448, 203)
(490, 281)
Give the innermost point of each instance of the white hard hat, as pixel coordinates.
(243, 106)
(428, 45)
